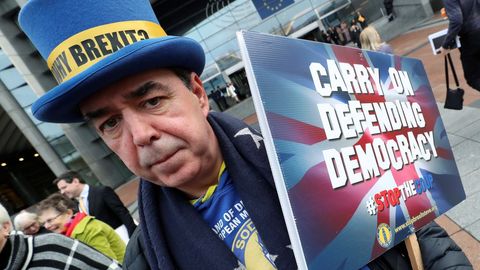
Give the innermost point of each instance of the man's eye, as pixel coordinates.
(151, 103)
(109, 124)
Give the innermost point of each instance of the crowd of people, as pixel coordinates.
(345, 32)
(357, 33)
(148, 104)
(342, 34)
(225, 96)
(44, 250)
(92, 215)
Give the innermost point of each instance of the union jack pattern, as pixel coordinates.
(334, 227)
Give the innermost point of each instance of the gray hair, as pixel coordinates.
(23, 219)
(4, 216)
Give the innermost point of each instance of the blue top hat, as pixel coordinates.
(89, 44)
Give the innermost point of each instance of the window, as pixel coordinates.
(24, 95)
(11, 78)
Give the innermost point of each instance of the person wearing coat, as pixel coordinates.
(57, 214)
(46, 251)
(99, 201)
(370, 40)
(231, 92)
(28, 223)
(464, 21)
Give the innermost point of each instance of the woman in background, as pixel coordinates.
(370, 40)
(57, 213)
(361, 20)
(232, 93)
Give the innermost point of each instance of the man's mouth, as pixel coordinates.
(163, 159)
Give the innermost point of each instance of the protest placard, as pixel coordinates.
(357, 147)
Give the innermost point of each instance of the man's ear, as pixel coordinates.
(6, 228)
(199, 92)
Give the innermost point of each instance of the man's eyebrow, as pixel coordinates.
(95, 114)
(144, 89)
(140, 91)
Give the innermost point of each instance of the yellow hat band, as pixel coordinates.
(84, 49)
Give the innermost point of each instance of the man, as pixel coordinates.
(464, 21)
(28, 223)
(389, 8)
(46, 251)
(220, 99)
(101, 202)
(207, 198)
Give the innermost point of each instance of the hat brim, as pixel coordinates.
(61, 104)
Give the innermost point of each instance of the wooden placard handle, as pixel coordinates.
(414, 252)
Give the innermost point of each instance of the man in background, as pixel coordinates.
(464, 19)
(28, 223)
(101, 202)
(220, 99)
(389, 8)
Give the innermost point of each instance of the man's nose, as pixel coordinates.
(142, 130)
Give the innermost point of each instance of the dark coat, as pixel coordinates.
(105, 205)
(134, 256)
(464, 21)
(441, 253)
(438, 250)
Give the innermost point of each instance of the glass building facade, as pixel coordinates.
(300, 19)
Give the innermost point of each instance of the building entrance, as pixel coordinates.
(239, 80)
(25, 179)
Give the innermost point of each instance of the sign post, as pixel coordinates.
(414, 252)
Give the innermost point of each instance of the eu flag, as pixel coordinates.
(266, 8)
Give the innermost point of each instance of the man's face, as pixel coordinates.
(31, 227)
(158, 127)
(71, 190)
